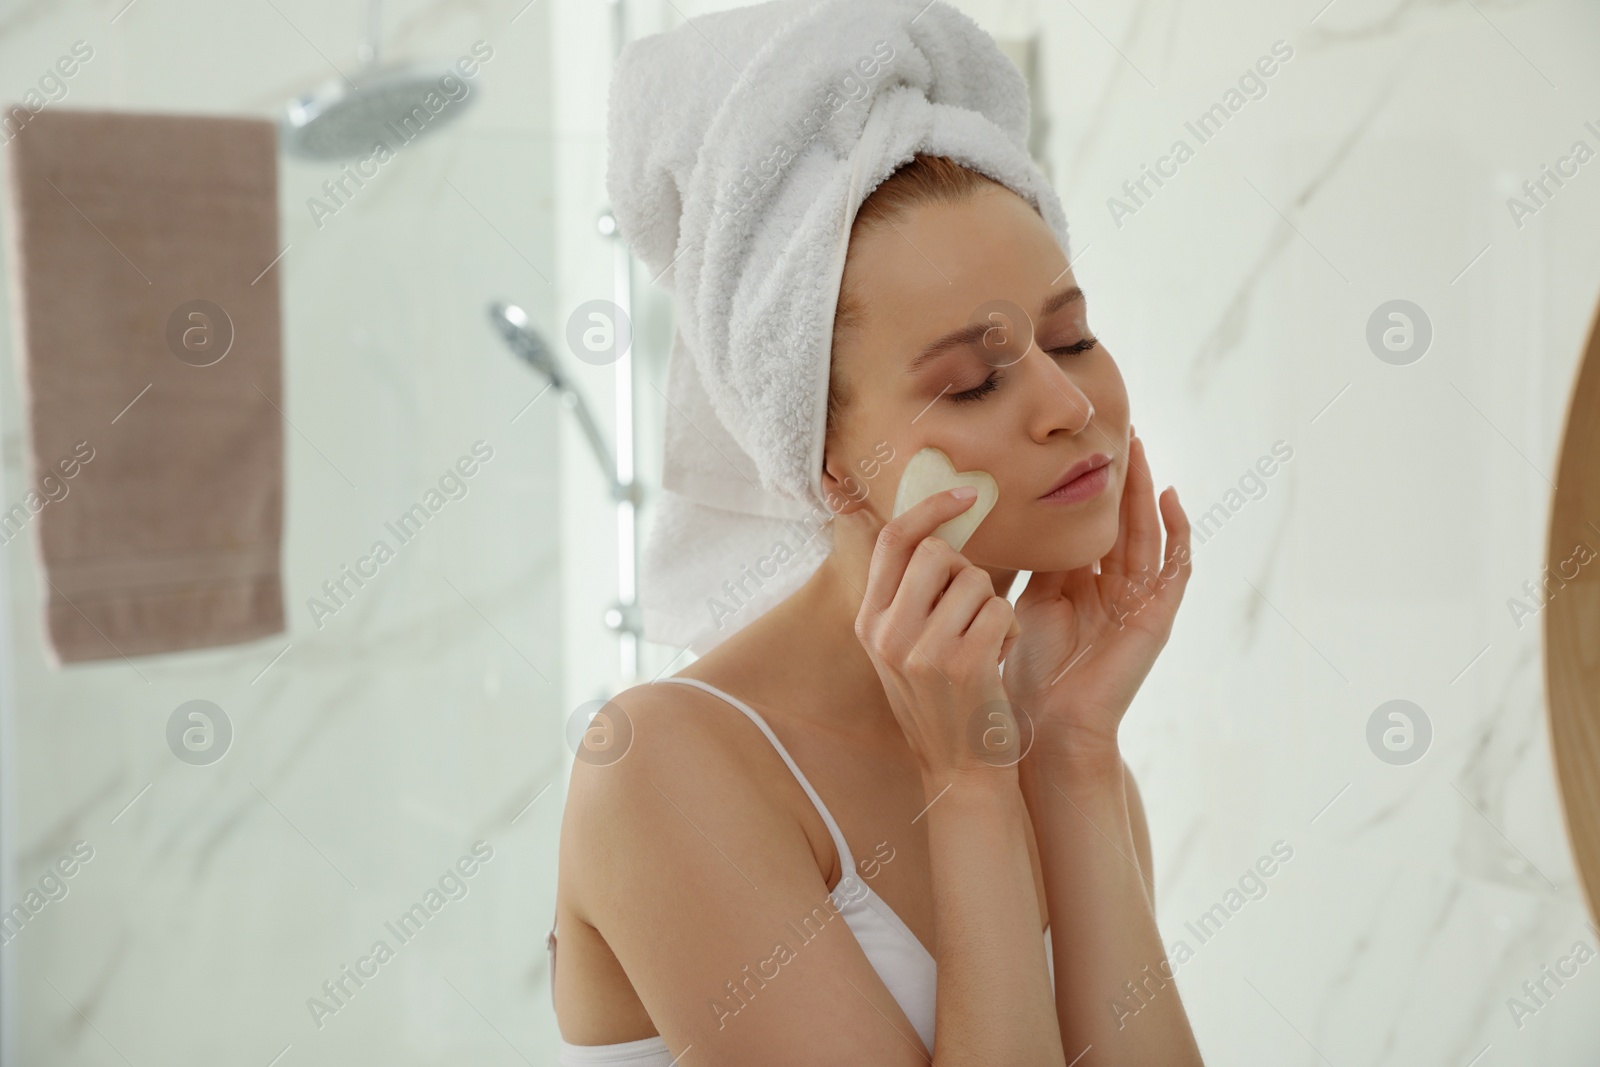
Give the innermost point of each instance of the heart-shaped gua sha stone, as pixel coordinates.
(930, 471)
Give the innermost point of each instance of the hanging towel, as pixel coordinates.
(741, 145)
(148, 332)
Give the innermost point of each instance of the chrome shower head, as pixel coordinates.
(512, 324)
(384, 105)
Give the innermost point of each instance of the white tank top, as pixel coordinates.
(906, 968)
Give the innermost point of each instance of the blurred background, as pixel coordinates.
(1244, 296)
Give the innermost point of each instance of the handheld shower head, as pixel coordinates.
(512, 324)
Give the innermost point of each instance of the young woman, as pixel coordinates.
(810, 854)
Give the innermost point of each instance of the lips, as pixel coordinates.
(1078, 470)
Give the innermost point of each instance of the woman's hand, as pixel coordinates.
(936, 632)
(1088, 640)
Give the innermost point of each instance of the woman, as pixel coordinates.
(994, 909)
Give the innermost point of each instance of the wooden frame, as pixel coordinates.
(1572, 623)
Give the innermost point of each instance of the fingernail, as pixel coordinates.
(965, 492)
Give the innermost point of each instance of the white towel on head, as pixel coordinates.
(741, 145)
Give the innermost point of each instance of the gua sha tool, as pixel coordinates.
(930, 471)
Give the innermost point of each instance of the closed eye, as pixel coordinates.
(989, 385)
(1082, 346)
(992, 382)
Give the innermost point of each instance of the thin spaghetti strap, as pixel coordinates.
(847, 863)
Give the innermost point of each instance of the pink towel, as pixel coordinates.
(148, 327)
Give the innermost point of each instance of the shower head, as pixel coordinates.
(512, 324)
(383, 105)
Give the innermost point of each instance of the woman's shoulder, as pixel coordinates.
(657, 724)
(681, 757)
(666, 745)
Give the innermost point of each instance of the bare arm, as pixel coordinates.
(1141, 833)
(1115, 995)
(1116, 1001)
(994, 1003)
(936, 633)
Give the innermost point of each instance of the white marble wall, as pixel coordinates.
(371, 753)
(1377, 564)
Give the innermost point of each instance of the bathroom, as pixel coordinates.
(1353, 318)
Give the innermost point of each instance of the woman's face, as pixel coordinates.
(1013, 397)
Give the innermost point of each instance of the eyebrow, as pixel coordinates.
(973, 333)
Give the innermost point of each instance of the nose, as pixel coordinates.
(1059, 402)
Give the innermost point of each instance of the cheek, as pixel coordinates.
(867, 466)
(1108, 391)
